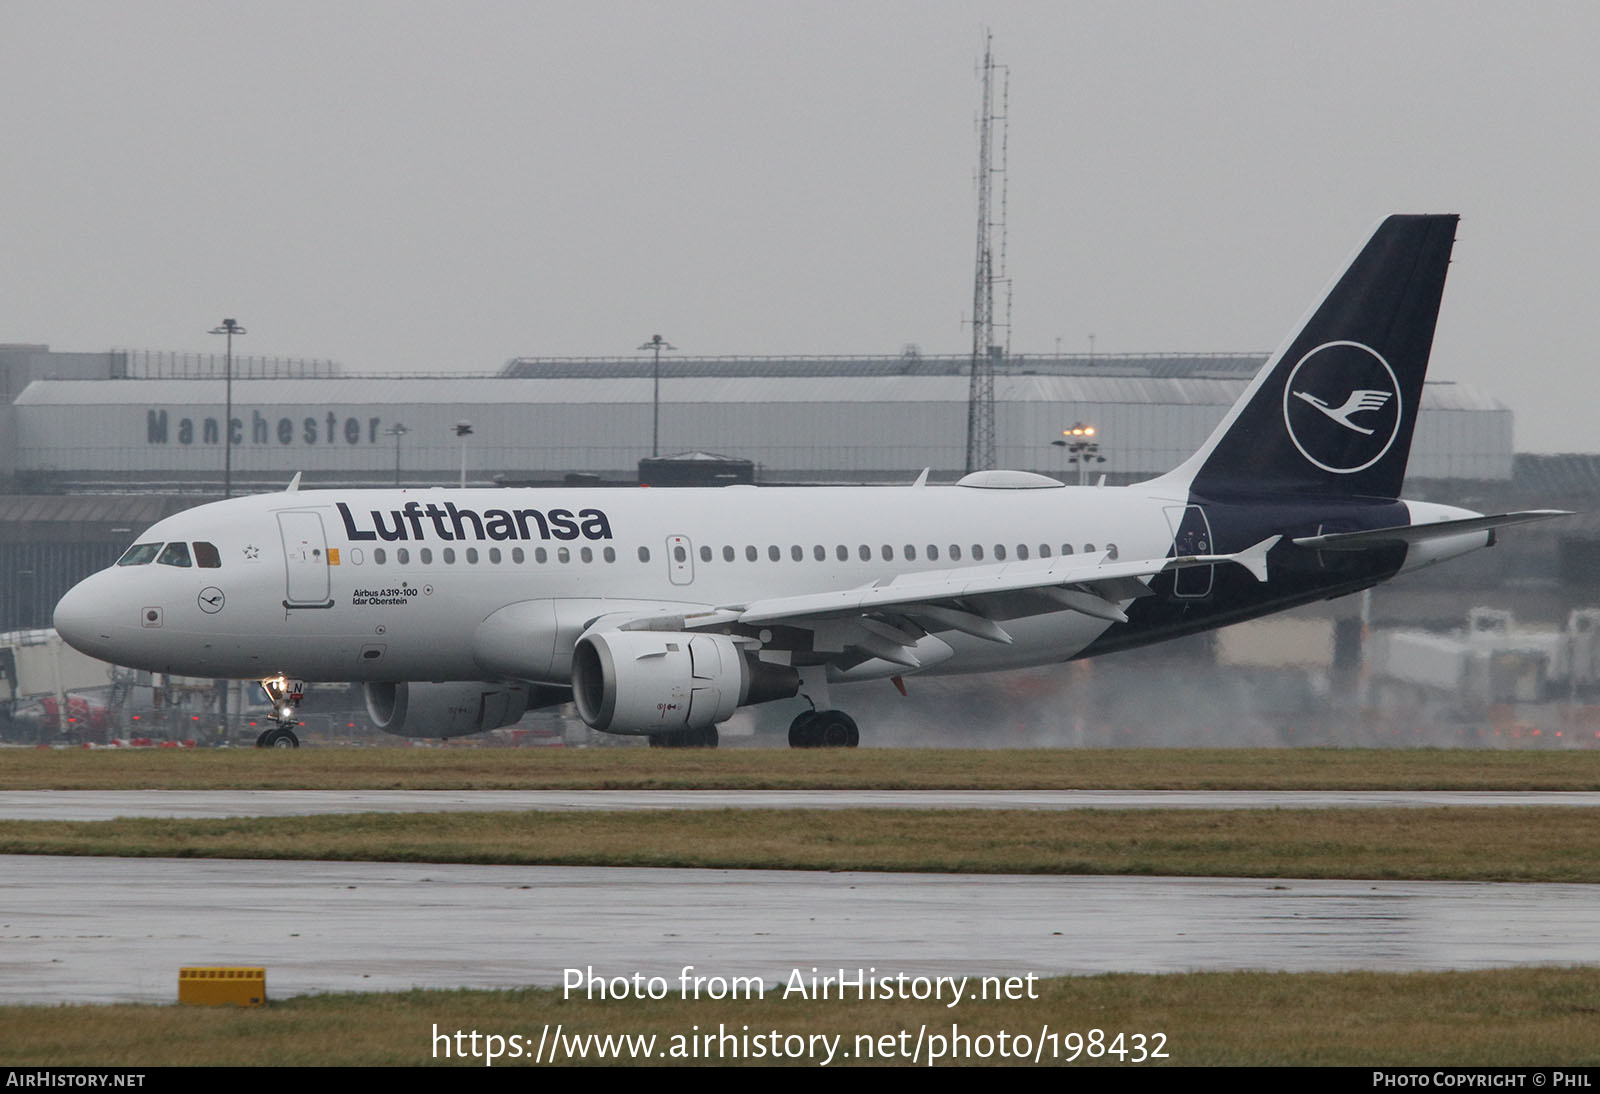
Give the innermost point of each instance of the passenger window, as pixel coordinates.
(797, 552)
(820, 553)
(1044, 550)
(728, 554)
(611, 554)
(1022, 551)
(449, 554)
(587, 554)
(865, 552)
(518, 556)
(379, 556)
(887, 552)
(494, 555)
(1000, 552)
(911, 553)
(773, 553)
(472, 555)
(425, 555)
(207, 557)
(402, 556)
(644, 554)
(955, 552)
(977, 552)
(750, 553)
(933, 553)
(678, 553)
(1088, 548)
(140, 554)
(563, 555)
(1066, 548)
(175, 554)
(541, 556)
(705, 554)
(1111, 551)
(842, 553)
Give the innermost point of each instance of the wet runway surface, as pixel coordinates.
(86, 929)
(107, 804)
(105, 929)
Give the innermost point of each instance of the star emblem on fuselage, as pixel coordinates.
(252, 553)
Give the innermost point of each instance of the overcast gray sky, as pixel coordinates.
(442, 186)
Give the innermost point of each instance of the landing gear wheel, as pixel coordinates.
(261, 738)
(836, 729)
(801, 731)
(823, 729)
(278, 738)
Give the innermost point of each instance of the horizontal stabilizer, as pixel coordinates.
(1254, 558)
(1419, 533)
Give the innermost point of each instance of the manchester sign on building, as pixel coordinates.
(162, 427)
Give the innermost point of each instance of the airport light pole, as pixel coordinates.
(658, 344)
(396, 431)
(463, 430)
(230, 328)
(1083, 448)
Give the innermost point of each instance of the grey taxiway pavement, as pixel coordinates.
(107, 929)
(82, 805)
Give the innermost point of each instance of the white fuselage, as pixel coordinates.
(306, 593)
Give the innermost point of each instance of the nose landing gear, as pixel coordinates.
(285, 696)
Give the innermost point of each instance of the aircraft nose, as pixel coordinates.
(78, 620)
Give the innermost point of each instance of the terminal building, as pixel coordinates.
(76, 423)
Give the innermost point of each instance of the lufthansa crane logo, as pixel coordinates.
(1342, 407)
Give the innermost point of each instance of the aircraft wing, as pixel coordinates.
(885, 619)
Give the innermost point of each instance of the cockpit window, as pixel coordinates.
(207, 556)
(174, 554)
(140, 554)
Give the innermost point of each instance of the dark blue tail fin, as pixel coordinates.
(1333, 411)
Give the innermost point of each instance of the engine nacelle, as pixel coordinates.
(445, 710)
(646, 682)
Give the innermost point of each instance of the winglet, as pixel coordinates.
(922, 479)
(1254, 558)
(294, 485)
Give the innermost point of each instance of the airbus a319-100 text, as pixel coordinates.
(661, 612)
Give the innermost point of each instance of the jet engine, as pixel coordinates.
(445, 710)
(649, 682)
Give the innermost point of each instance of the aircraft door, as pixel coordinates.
(1191, 535)
(305, 559)
(680, 560)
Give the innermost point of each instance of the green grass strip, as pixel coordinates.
(1543, 844)
(1498, 1018)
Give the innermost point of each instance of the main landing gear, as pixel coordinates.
(285, 697)
(692, 738)
(823, 729)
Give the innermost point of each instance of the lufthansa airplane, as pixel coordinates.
(661, 612)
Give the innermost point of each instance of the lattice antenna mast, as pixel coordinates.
(988, 273)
